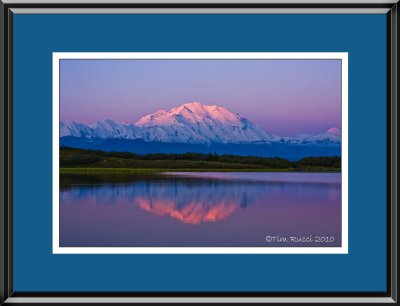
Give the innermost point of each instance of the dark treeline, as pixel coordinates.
(72, 157)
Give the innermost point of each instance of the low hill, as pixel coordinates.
(82, 158)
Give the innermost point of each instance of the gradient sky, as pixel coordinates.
(285, 97)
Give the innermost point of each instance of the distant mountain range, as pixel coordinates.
(194, 127)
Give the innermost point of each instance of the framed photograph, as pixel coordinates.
(191, 151)
(196, 169)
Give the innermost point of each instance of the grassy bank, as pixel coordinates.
(153, 171)
(107, 170)
(90, 161)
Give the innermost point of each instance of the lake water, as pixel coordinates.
(228, 209)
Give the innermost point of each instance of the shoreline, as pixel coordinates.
(76, 170)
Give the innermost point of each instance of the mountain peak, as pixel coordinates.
(193, 104)
(195, 122)
(334, 131)
(199, 109)
(191, 107)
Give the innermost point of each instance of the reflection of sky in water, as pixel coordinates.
(197, 212)
(265, 176)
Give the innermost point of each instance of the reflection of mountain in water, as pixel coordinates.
(195, 202)
(191, 212)
(190, 201)
(198, 209)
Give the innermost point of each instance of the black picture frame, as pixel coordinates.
(8, 10)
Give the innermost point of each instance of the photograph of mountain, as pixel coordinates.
(213, 154)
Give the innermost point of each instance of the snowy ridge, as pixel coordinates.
(331, 136)
(191, 123)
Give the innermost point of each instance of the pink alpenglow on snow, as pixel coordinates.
(191, 123)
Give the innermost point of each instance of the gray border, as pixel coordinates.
(6, 155)
(150, 299)
(200, 11)
(394, 14)
(6, 59)
(2, 163)
(203, 1)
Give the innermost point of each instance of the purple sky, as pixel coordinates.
(285, 97)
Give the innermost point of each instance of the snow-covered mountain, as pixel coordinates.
(198, 123)
(192, 123)
(331, 136)
(70, 128)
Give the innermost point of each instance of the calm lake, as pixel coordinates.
(200, 209)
